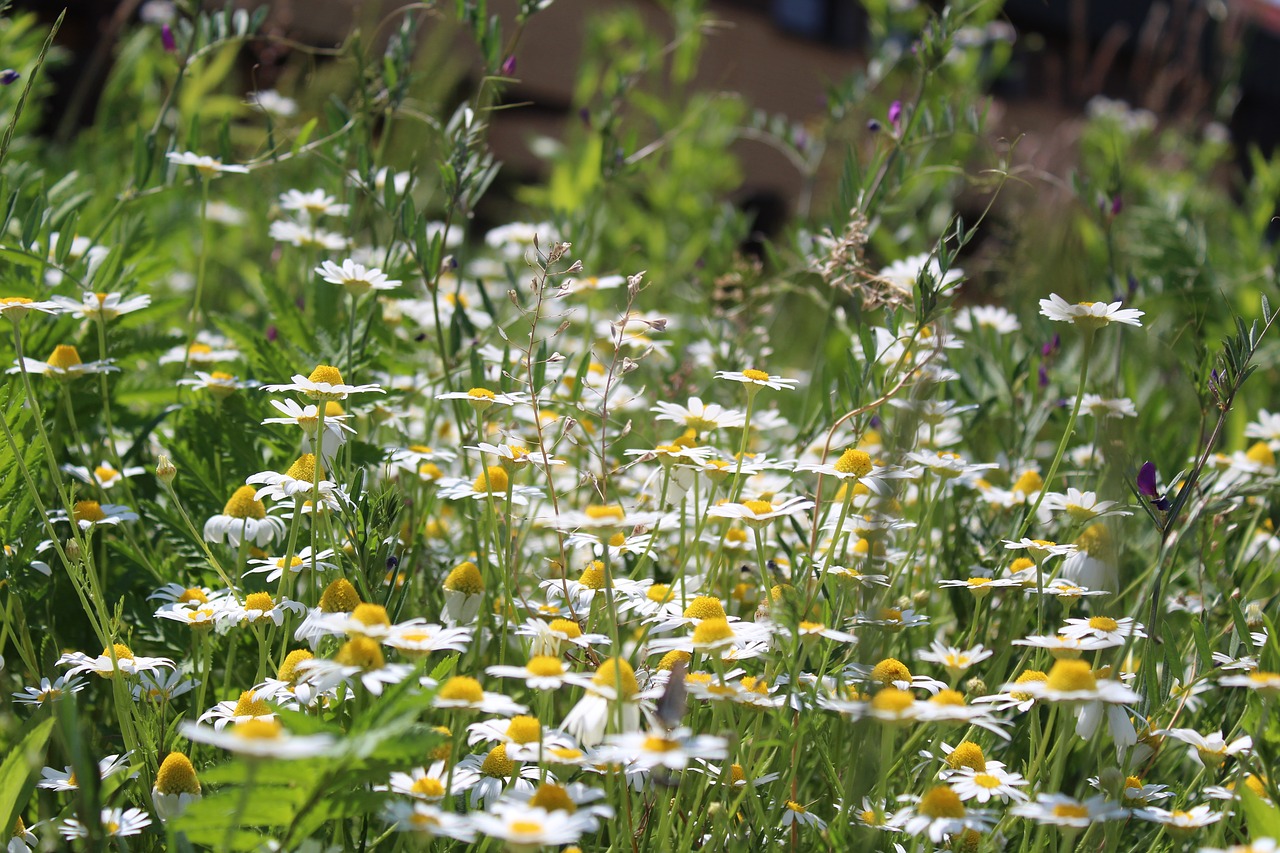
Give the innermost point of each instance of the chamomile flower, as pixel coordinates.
(304, 235)
(249, 706)
(336, 429)
(162, 687)
(993, 317)
(938, 813)
(1259, 845)
(799, 814)
(274, 567)
(672, 750)
(124, 661)
(261, 738)
(50, 691)
(483, 398)
(244, 518)
(1209, 750)
(954, 660)
(65, 779)
(464, 692)
(208, 349)
(429, 784)
(526, 738)
(698, 416)
(991, 782)
(756, 379)
(1039, 548)
(90, 514)
(115, 823)
(1104, 628)
(359, 658)
(612, 698)
(356, 279)
(1061, 810)
(298, 482)
(541, 673)
(418, 637)
(493, 483)
(1074, 681)
(1088, 315)
(14, 308)
(902, 274)
(324, 383)
(176, 786)
(1104, 407)
(103, 475)
(1266, 683)
(101, 306)
(761, 512)
(206, 166)
(1178, 820)
(64, 364)
(313, 204)
(525, 827)
(429, 821)
(1081, 506)
(549, 639)
(485, 777)
(257, 607)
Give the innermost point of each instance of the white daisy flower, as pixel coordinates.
(698, 416)
(756, 379)
(356, 279)
(125, 662)
(304, 235)
(1209, 750)
(103, 474)
(49, 691)
(993, 317)
(429, 821)
(1107, 407)
(208, 167)
(312, 204)
(324, 383)
(1088, 315)
(903, 274)
(1081, 506)
(261, 738)
(65, 779)
(1061, 810)
(540, 673)
(101, 306)
(116, 823)
(63, 363)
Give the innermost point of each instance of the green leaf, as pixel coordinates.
(1262, 817)
(18, 772)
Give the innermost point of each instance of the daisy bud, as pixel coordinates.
(165, 470)
(72, 549)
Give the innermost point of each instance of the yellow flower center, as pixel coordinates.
(704, 607)
(758, 508)
(1029, 483)
(1021, 564)
(294, 562)
(258, 601)
(63, 357)
(289, 669)
(465, 578)
(362, 652)
(892, 701)
(90, 511)
(259, 729)
(462, 688)
(617, 674)
(593, 576)
(326, 373)
(967, 754)
(524, 729)
(796, 807)
(429, 787)
(1262, 455)
(122, 652)
(481, 394)
(15, 300)
(941, 801)
(545, 666)
(1026, 678)
(755, 375)
(712, 631)
(194, 594)
(303, 469)
(855, 462)
(176, 775)
(553, 798)
(569, 628)
(1070, 676)
(948, 697)
(371, 614)
(660, 593)
(890, 670)
(673, 657)
(1070, 810)
(1103, 623)
(654, 743)
(339, 597)
(248, 706)
(496, 764)
(601, 512)
(243, 504)
(493, 479)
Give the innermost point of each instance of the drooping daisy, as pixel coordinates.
(336, 429)
(612, 699)
(1088, 315)
(244, 518)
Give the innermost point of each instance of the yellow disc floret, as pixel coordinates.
(176, 775)
(243, 504)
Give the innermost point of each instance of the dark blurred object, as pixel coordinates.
(833, 22)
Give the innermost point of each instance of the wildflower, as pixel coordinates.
(324, 383)
(1088, 315)
(1180, 821)
(1102, 407)
(482, 398)
(103, 475)
(422, 783)
(14, 308)
(1209, 750)
(244, 518)
(206, 166)
(417, 637)
(50, 691)
(124, 661)
(63, 363)
(612, 697)
(1104, 628)
(530, 828)
(486, 776)
(550, 638)
(903, 274)
(1265, 683)
(1039, 548)
(274, 567)
(207, 349)
(162, 687)
(540, 673)
(938, 813)
(672, 750)
(311, 204)
(462, 691)
(698, 416)
(116, 823)
(463, 594)
(987, 783)
(262, 739)
(796, 813)
(1081, 506)
(993, 317)
(249, 706)
(429, 821)
(757, 379)
(176, 786)
(360, 657)
(757, 513)
(101, 306)
(355, 278)
(308, 418)
(297, 482)
(956, 661)
(65, 779)
(1061, 810)
(271, 101)
(256, 607)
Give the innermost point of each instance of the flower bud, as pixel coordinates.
(165, 470)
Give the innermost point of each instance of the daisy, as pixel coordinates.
(417, 637)
(1074, 681)
(250, 706)
(515, 455)
(529, 828)
(1081, 506)
(734, 640)
(956, 661)
(356, 279)
(312, 204)
(698, 416)
(612, 698)
(243, 518)
(206, 166)
(304, 235)
(1209, 750)
(90, 514)
(49, 691)
(758, 512)
(299, 481)
(103, 475)
(1103, 407)
(672, 750)
(1039, 548)
(428, 784)
(359, 658)
(116, 823)
(271, 101)
(464, 692)
(1061, 647)
(324, 383)
(1113, 631)
(1267, 683)
(980, 586)
(1259, 845)
(273, 567)
(1061, 810)
(492, 483)
(308, 418)
(940, 813)
(757, 379)
(429, 821)
(988, 783)
(482, 398)
(891, 618)
(798, 814)
(16, 307)
(176, 786)
(992, 317)
(256, 607)
(65, 779)
(525, 737)
(261, 739)
(125, 661)
(550, 638)
(540, 673)
(63, 363)
(1088, 315)
(162, 687)
(486, 777)
(1180, 821)
(903, 274)
(399, 181)
(101, 306)
(207, 349)
(198, 617)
